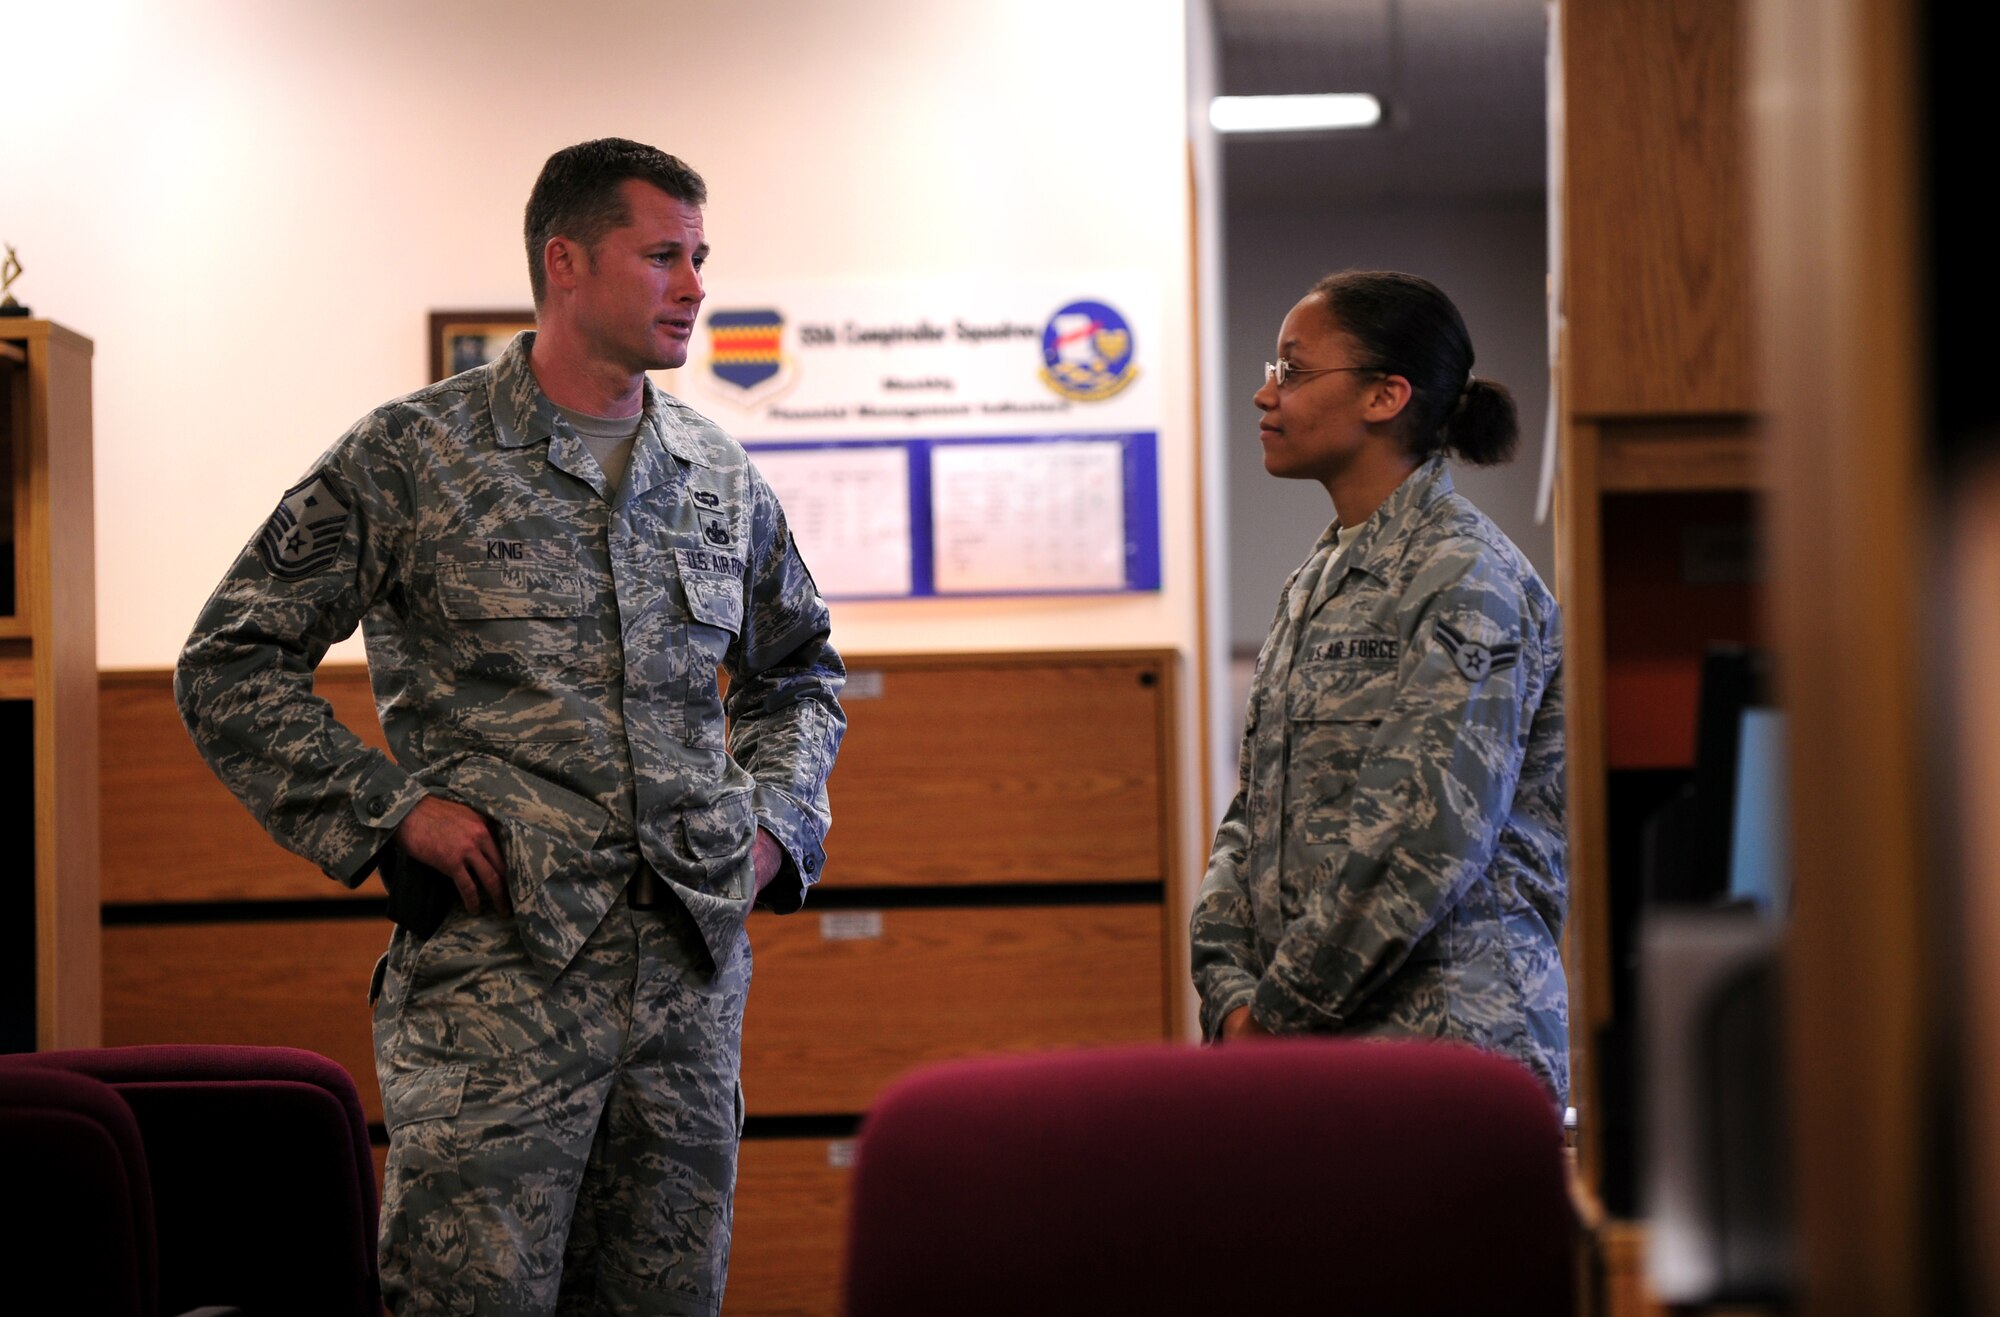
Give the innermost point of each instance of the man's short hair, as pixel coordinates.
(577, 194)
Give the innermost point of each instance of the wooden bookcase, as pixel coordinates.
(1660, 485)
(48, 685)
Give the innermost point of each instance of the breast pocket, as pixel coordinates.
(715, 619)
(511, 603)
(1334, 710)
(714, 600)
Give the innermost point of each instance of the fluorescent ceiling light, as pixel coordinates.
(1293, 114)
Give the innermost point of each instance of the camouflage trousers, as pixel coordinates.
(565, 1147)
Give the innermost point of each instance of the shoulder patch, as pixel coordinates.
(304, 533)
(1475, 662)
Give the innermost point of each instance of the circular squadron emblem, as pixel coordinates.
(1087, 352)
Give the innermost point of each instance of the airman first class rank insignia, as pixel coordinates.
(304, 534)
(1476, 662)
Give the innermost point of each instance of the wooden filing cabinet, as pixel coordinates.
(996, 880)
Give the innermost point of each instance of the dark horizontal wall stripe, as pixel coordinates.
(801, 1127)
(128, 914)
(994, 894)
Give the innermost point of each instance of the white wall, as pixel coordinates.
(1490, 258)
(251, 207)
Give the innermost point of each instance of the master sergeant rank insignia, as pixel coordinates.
(304, 534)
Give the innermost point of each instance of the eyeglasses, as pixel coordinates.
(1279, 371)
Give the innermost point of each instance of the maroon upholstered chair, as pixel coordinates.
(79, 1202)
(263, 1192)
(1276, 1177)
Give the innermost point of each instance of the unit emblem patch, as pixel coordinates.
(1087, 352)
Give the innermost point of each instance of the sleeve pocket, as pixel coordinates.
(721, 830)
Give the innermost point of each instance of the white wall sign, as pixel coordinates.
(1028, 517)
(930, 358)
(849, 509)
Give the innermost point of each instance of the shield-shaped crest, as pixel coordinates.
(744, 347)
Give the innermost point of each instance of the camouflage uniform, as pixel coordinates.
(548, 657)
(1393, 863)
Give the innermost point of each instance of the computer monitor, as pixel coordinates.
(1723, 838)
(1759, 839)
(1714, 1159)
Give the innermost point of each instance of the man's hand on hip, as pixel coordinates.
(1240, 1026)
(458, 843)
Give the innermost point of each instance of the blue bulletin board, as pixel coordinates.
(1045, 514)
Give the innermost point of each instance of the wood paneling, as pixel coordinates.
(1655, 212)
(174, 833)
(1030, 769)
(833, 1018)
(1026, 771)
(59, 574)
(1622, 1262)
(17, 669)
(1712, 453)
(791, 1214)
(294, 983)
(1858, 626)
(1587, 937)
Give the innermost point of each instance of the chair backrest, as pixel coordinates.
(80, 1207)
(263, 1188)
(1287, 1176)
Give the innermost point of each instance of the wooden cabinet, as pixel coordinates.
(846, 1000)
(1660, 478)
(1655, 211)
(996, 880)
(786, 1253)
(48, 689)
(214, 850)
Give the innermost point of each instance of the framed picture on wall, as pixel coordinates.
(461, 340)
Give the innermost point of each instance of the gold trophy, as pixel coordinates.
(10, 270)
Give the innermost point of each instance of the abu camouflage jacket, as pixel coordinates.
(1393, 863)
(538, 651)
